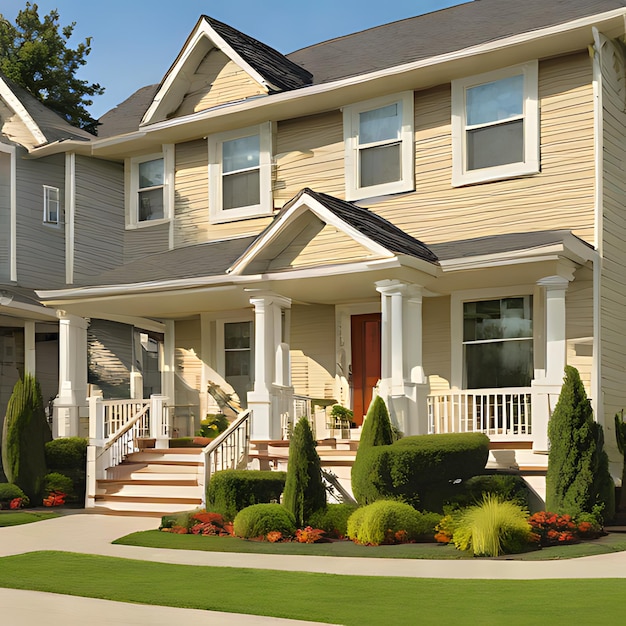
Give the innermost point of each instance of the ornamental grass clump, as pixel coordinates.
(492, 528)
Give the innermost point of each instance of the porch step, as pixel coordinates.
(137, 504)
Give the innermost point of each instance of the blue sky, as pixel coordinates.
(135, 41)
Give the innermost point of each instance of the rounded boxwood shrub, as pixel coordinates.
(419, 470)
(230, 491)
(259, 519)
(66, 453)
(388, 521)
(8, 492)
(333, 520)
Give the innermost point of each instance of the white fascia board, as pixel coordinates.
(64, 145)
(202, 30)
(13, 101)
(579, 29)
(303, 204)
(35, 310)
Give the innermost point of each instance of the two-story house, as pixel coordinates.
(434, 207)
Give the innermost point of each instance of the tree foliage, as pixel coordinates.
(377, 429)
(304, 490)
(24, 437)
(34, 53)
(578, 477)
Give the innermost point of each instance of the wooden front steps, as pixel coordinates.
(152, 481)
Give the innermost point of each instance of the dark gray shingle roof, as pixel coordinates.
(125, 117)
(440, 32)
(52, 125)
(271, 64)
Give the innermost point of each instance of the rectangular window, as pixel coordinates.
(238, 358)
(149, 187)
(378, 136)
(51, 205)
(495, 125)
(240, 174)
(498, 343)
(150, 202)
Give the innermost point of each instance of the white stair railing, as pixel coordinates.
(229, 450)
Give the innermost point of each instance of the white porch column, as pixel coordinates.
(402, 373)
(546, 388)
(269, 381)
(71, 403)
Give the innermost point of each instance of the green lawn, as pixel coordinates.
(15, 518)
(155, 539)
(358, 600)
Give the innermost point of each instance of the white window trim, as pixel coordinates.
(221, 350)
(265, 207)
(460, 174)
(351, 147)
(132, 187)
(47, 189)
(457, 300)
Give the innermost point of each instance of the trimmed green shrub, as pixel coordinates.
(259, 519)
(212, 425)
(333, 520)
(66, 453)
(506, 486)
(492, 528)
(8, 492)
(24, 436)
(304, 490)
(54, 481)
(387, 521)
(577, 479)
(377, 429)
(230, 491)
(419, 470)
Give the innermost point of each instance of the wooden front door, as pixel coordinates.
(365, 361)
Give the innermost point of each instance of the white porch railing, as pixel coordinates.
(504, 414)
(229, 450)
(294, 408)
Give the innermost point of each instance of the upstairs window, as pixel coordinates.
(51, 205)
(378, 136)
(495, 125)
(240, 174)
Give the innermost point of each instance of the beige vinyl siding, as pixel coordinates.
(99, 217)
(217, 80)
(579, 325)
(40, 247)
(191, 204)
(188, 362)
(613, 272)
(309, 153)
(312, 345)
(436, 342)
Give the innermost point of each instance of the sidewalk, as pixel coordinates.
(92, 534)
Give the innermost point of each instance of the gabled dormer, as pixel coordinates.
(219, 65)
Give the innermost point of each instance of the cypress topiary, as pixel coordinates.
(577, 479)
(304, 490)
(377, 425)
(24, 437)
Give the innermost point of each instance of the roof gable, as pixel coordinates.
(316, 229)
(266, 69)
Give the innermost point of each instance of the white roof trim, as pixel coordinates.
(301, 205)
(14, 102)
(202, 30)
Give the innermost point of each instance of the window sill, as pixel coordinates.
(224, 217)
(493, 174)
(148, 223)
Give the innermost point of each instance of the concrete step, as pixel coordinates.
(129, 505)
(153, 490)
(164, 456)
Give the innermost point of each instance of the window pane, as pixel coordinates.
(237, 363)
(508, 318)
(379, 124)
(495, 145)
(151, 205)
(495, 101)
(237, 335)
(240, 190)
(505, 364)
(151, 173)
(380, 165)
(240, 154)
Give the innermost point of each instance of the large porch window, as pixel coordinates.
(238, 358)
(498, 343)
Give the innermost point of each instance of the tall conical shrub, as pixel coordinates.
(577, 479)
(24, 436)
(376, 432)
(304, 492)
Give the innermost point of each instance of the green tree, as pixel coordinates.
(24, 437)
(304, 490)
(578, 478)
(377, 429)
(34, 53)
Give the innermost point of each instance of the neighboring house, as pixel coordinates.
(433, 206)
(33, 235)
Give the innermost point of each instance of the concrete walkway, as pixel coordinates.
(92, 534)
